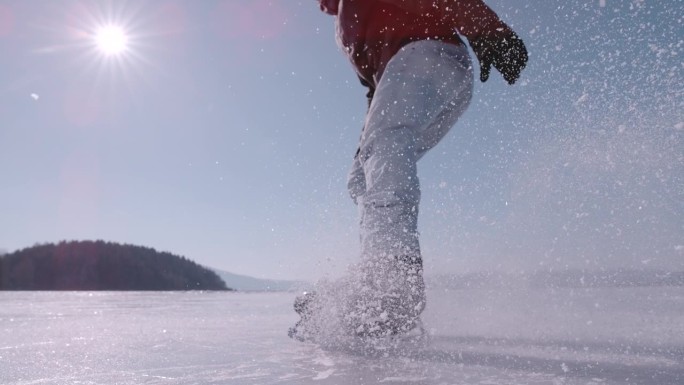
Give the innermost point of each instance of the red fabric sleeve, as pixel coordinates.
(471, 18)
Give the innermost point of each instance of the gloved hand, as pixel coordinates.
(506, 53)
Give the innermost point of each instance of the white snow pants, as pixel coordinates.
(425, 88)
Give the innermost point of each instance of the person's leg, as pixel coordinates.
(424, 89)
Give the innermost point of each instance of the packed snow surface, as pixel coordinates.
(476, 336)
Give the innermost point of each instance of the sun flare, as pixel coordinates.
(111, 40)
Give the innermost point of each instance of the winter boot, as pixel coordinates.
(388, 298)
(304, 306)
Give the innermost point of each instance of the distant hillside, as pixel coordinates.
(560, 279)
(99, 265)
(609, 278)
(245, 283)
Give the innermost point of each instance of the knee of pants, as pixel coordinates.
(356, 181)
(389, 163)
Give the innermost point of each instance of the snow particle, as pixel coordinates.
(582, 99)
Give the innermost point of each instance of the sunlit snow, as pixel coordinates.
(477, 336)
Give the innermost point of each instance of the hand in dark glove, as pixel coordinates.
(506, 53)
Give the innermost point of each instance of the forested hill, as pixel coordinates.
(99, 265)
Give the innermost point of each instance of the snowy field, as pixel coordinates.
(521, 336)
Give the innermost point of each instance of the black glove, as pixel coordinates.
(507, 54)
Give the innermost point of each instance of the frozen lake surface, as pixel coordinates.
(521, 336)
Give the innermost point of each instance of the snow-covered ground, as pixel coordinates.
(502, 336)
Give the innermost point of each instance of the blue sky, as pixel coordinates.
(226, 130)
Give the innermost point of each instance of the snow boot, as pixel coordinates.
(303, 305)
(380, 297)
(388, 298)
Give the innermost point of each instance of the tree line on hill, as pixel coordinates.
(99, 265)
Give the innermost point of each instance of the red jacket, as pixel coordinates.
(372, 31)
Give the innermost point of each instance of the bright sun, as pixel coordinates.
(111, 40)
